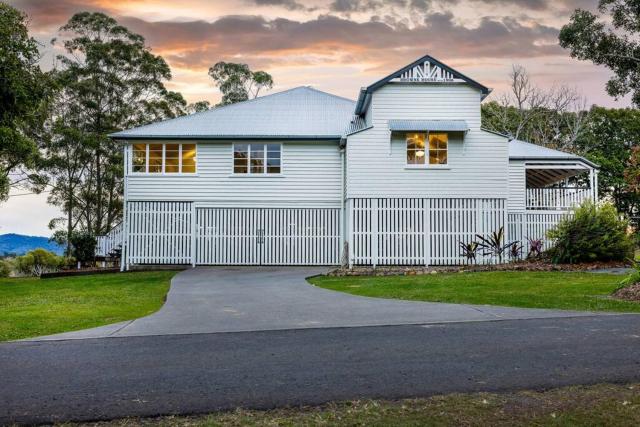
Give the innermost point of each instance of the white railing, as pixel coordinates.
(557, 198)
(109, 242)
(525, 226)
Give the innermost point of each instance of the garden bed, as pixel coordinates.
(628, 293)
(515, 266)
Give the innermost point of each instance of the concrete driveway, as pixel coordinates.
(239, 299)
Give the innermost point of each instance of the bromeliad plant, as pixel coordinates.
(515, 251)
(535, 247)
(493, 246)
(469, 250)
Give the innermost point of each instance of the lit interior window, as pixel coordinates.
(163, 158)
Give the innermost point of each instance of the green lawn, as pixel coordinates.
(554, 289)
(32, 307)
(597, 405)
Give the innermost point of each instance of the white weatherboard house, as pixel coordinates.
(401, 176)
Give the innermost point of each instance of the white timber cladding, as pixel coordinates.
(268, 236)
(477, 165)
(421, 231)
(310, 177)
(517, 185)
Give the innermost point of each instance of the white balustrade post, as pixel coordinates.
(374, 232)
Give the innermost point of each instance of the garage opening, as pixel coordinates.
(267, 236)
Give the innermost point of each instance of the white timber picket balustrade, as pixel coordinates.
(111, 241)
(557, 198)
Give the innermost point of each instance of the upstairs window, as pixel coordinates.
(256, 159)
(164, 158)
(422, 146)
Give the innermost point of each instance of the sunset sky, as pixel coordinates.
(333, 45)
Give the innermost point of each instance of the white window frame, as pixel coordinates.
(426, 164)
(264, 159)
(164, 159)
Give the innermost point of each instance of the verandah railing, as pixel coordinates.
(556, 198)
(109, 242)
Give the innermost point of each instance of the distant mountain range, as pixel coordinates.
(20, 244)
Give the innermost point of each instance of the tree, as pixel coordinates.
(23, 90)
(109, 80)
(237, 82)
(83, 247)
(553, 117)
(198, 107)
(589, 38)
(632, 172)
(607, 140)
(67, 159)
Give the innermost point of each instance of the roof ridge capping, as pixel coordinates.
(367, 91)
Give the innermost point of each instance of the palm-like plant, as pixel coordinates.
(492, 245)
(469, 250)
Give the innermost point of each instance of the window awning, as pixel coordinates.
(428, 125)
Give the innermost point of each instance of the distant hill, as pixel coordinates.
(21, 244)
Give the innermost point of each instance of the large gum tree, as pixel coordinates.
(107, 80)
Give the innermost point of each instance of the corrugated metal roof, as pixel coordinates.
(356, 125)
(299, 113)
(432, 125)
(522, 150)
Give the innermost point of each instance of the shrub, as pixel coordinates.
(633, 277)
(38, 261)
(83, 246)
(5, 268)
(592, 234)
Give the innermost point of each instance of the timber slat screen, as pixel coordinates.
(420, 231)
(159, 232)
(526, 225)
(273, 236)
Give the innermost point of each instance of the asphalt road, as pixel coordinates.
(184, 374)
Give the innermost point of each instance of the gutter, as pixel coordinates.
(229, 137)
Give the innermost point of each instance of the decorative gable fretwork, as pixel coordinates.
(427, 72)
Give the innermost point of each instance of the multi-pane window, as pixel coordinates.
(418, 149)
(256, 158)
(164, 158)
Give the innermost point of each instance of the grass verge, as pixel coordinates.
(32, 307)
(548, 289)
(599, 405)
